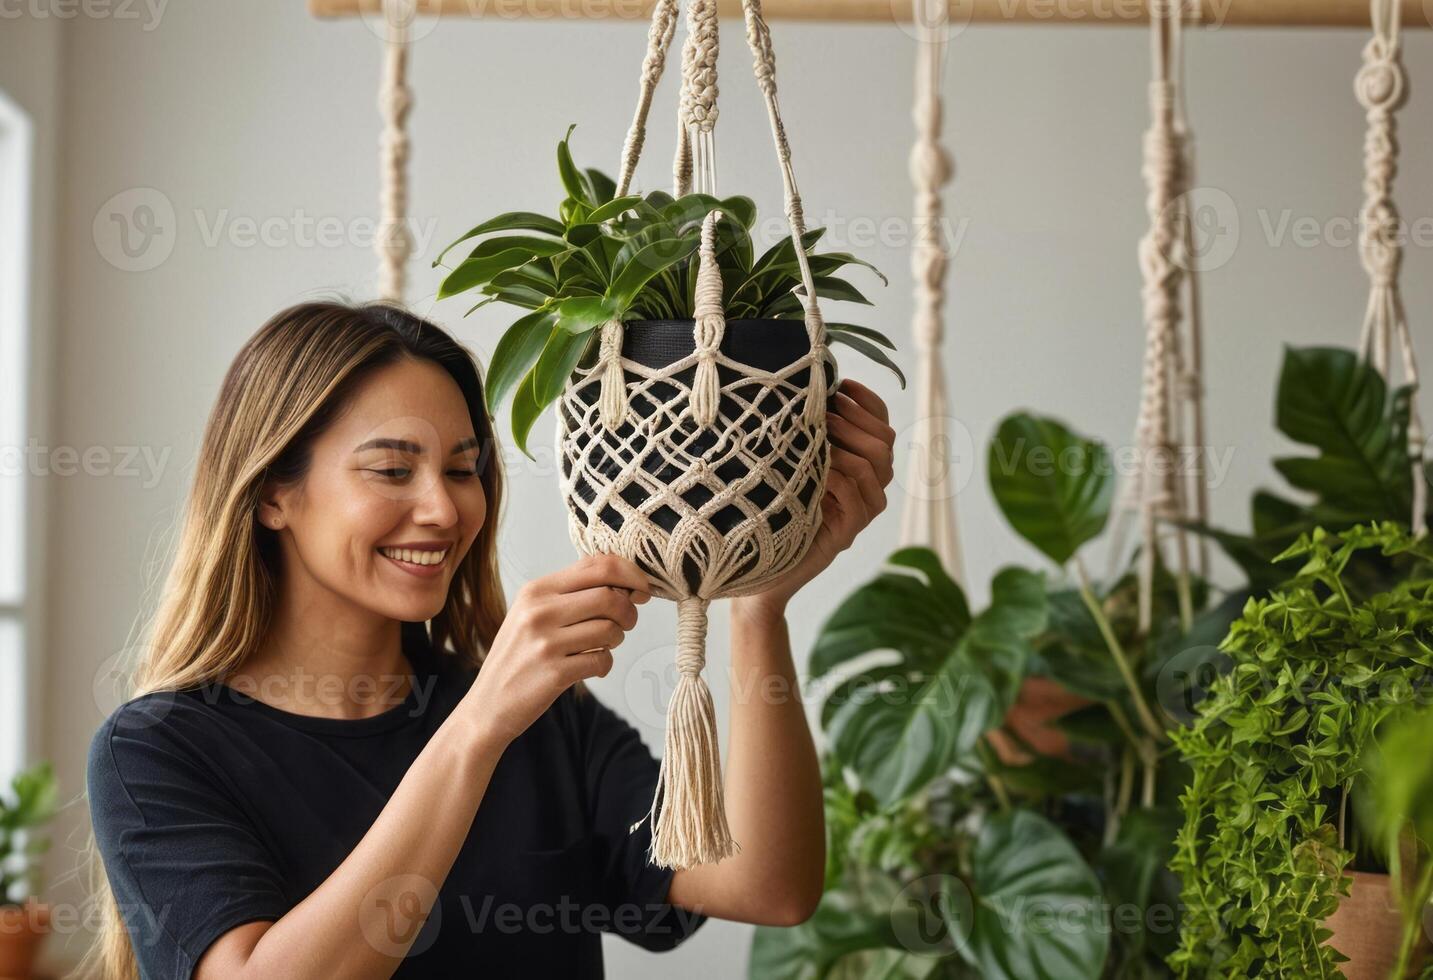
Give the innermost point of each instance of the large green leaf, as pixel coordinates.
(921, 616)
(1330, 399)
(867, 348)
(511, 221)
(898, 738)
(1052, 485)
(1037, 907)
(843, 924)
(477, 271)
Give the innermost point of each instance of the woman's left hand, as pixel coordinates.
(862, 465)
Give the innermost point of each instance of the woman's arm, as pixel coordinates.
(772, 788)
(774, 798)
(362, 920)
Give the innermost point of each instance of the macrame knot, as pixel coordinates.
(814, 411)
(612, 399)
(930, 164)
(691, 636)
(1379, 83)
(710, 325)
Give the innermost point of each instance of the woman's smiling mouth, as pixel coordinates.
(425, 561)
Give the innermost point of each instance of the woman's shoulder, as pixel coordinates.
(167, 726)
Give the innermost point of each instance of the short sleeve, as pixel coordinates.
(621, 777)
(184, 862)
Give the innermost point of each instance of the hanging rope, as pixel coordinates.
(1382, 88)
(1160, 495)
(929, 513)
(697, 102)
(394, 242)
(659, 39)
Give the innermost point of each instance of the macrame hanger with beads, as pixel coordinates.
(1382, 88)
(928, 516)
(394, 242)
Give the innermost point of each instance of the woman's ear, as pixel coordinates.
(270, 511)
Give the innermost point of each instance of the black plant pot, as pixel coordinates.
(753, 421)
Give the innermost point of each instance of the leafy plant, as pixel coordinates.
(1336, 403)
(630, 258)
(1277, 746)
(32, 801)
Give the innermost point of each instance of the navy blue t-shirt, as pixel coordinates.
(212, 809)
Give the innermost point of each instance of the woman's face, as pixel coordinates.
(392, 501)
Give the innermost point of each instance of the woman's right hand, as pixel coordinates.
(559, 629)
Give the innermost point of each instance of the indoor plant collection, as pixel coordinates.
(24, 920)
(949, 855)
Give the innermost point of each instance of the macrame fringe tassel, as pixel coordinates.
(612, 400)
(710, 325)
(690, 827)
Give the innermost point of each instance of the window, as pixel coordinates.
(15, 190)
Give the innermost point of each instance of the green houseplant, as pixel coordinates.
(1277, 748)
(30, 804)
(632, 258)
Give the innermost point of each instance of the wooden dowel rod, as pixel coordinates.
(1212, 13)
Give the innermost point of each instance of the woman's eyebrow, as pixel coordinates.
(407, 446)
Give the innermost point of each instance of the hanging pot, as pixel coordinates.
(1368, 928)
(22, 930)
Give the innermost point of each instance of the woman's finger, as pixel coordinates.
(598, 602)
(851, 504)
(862, 475)
(876, 451)
(866, 398)
(594, 570)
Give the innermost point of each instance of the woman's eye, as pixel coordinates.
(463, 474)
(397, 474)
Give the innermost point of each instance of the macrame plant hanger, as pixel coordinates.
(635, 440)
(928, 516)
(1382, 88)
(1171, 386)
(394, 242)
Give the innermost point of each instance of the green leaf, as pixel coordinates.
(1053, 486)
(511, 221)
(476, 272)
(867, 332)
(1037, 909)
(843, 924)
(867, 348)
(572, 179)
(612, 208)
(1330, 399)
(525, 411)
(515, 353)
(651, 260)
(556, 362)
(603, 186)
(582, 313)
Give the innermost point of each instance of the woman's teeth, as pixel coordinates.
(416, 557)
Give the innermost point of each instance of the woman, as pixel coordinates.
(316, 779)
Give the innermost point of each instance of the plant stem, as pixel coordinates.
(1413, 919)
(997, 785)
(1146, 717)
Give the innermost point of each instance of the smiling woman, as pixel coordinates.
(333, 684)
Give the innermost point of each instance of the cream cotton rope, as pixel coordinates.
(929, 513)
(394, 242)
(706, 471)
(1382, 87)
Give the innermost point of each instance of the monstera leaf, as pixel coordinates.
(1037, 909)
(900, 725)
(1052, 485)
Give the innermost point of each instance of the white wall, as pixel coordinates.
(230, 111)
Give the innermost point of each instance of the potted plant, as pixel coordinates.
(635, 259)
(1277, 748)
(24, 920)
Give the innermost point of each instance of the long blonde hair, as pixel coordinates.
(287, 384)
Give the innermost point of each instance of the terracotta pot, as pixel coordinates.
(22, 930)
(1041, 702)
(1367, 928)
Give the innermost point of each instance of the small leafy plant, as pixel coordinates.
(31, 802)
(630, 258)
(1280, 743)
